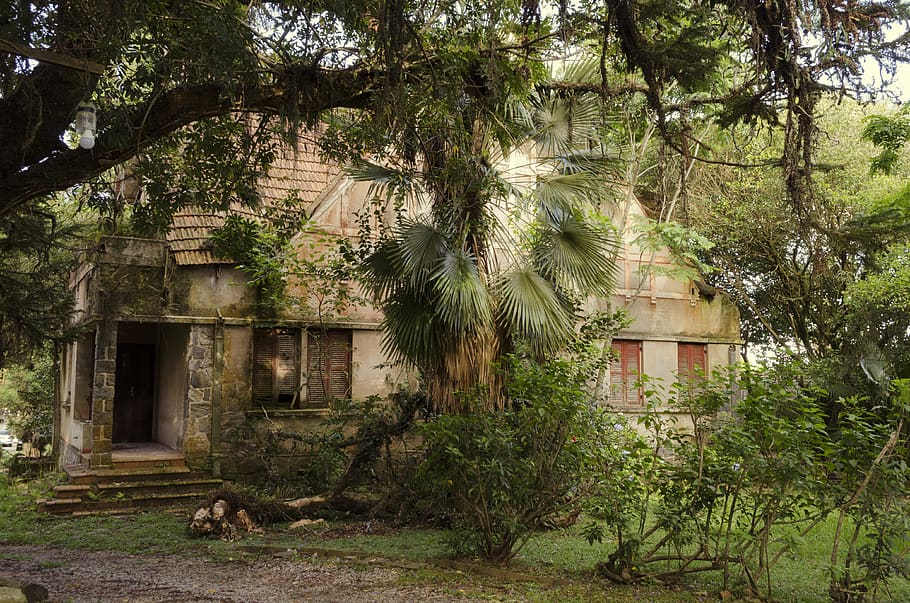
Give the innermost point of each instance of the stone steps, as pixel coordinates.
(129, 490)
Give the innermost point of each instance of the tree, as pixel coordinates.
(36, 256)
(505, 252)
(27, 398)
(151, 69)
(383, 74)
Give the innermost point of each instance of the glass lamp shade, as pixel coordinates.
(86, 122)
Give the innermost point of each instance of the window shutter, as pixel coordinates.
(315, 382)
(329, 364)
(286, 373)
(691, 362)
(624, 373)
(338, 360)
(276, 358)
(262, 367)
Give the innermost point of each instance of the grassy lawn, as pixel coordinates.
(554, 566)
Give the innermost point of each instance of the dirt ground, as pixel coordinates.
(85, 576)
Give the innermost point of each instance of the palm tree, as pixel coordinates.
(501, 245)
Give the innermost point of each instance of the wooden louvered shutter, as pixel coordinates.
(276, 358)
(262, 367)
(691, 363)
(329, 363)
(624, 373)
(286, 372)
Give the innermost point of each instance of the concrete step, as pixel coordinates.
(96, 476)
(59, 505)
(149, 463)
(77, 507)
(146, 488)
(119, 490)
(71, 490)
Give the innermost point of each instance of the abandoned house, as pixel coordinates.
(174, 364)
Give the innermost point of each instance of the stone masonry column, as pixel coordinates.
(103, 394)
(198, 444)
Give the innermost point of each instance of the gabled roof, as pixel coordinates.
(297, 171)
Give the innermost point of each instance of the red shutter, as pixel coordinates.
(624, 373)
(691, 362)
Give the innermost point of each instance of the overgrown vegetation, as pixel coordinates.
(27, 399)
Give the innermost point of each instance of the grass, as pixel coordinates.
(553, 566)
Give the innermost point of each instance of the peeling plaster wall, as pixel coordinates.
(209, 289)
(367, 377)
(235, 442)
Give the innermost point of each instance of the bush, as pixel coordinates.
(504, 474)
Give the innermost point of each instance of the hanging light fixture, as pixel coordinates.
(86, 123)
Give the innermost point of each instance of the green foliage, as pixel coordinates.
(260, 250)
(507, 472)
(889, 133)
(758, 471)
(35, 259)
(880, 305)
(500, 259)
(27, 398)
(686, 248)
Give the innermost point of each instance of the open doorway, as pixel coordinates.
(134, 396)
(150, 389)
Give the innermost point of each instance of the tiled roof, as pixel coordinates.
(297, 171)
(301, 172)
(188, 237)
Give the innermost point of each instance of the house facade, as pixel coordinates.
(175, 360)
(681, 329)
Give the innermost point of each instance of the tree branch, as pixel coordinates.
(320, 89)
(54, 58)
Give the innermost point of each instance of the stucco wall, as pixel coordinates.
(692, 318)
(207, 290)
(172, 383)
(367, 376)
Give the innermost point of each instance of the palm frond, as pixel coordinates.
(561, 193)
(393, 181)
(577, 254)
(584, 70)
(463, 301)
(601, 162)
(419, 249)
(560, 124)
(412, 333)
(380, 269)
(533, 310)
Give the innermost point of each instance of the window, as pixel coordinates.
(276, 366)
(691, 362)
(329, 366)
(624, 373)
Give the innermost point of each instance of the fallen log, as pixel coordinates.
(228, 514)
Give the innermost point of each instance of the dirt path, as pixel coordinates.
(85, 576)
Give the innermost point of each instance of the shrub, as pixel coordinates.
(506, 473)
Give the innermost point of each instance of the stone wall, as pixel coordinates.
(197, 444)
(103, 393)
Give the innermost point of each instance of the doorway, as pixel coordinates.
(134, 395)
